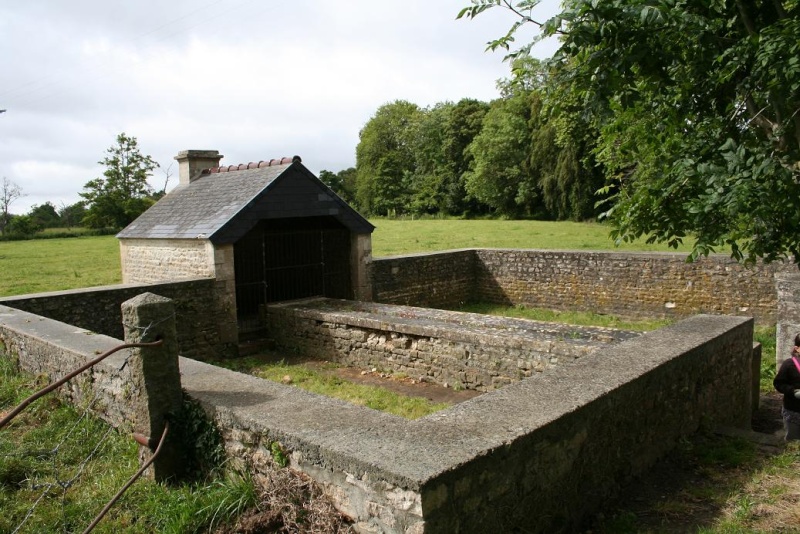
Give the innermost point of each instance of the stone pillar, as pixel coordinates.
(155, 379)
(361, 266)
(787, 285)
(225, 298)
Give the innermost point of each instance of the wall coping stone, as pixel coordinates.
(454, 326)
(84, 290)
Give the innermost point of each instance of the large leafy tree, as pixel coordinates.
(500, 175)
(122, 194)
(385, 159)
(430, 164)
(698, 108)
(72, 215)
(463, 124)
(45, 215)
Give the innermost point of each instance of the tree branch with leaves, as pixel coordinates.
(698, 108)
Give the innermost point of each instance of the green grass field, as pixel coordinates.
(54, 264)
(394, 237)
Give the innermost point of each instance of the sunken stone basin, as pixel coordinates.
(450, 348)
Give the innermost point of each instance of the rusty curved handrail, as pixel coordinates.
(55, 385)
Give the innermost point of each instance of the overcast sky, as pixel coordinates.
(254, 79)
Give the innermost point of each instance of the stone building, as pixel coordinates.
(266, 231)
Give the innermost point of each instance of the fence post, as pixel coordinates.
(155, 376)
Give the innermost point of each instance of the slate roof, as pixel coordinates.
(224, 203)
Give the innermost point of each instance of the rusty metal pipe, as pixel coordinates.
(55, 385)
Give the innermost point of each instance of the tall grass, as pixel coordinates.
(43, 449)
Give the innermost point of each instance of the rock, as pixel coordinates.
(286, 379)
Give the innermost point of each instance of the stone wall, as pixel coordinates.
(97, 309)
(587, 428)
(633, 285)
(52, 349)
(436, 280)
(788, 287)
(537, 456)
(156, 260)
(448, 348)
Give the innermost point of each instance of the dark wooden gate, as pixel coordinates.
(290, 259)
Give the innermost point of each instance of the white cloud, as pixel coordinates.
(252, 79)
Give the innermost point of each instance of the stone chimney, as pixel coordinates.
(192, 162)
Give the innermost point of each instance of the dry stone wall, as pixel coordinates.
(436, 280)
(635, 285)
(449, 348)
(98, 309)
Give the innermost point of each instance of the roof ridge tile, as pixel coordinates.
(252, 165)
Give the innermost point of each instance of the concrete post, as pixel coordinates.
(788, 289)
(156, 381)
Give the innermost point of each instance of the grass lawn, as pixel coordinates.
(394, 237)
(55, 264)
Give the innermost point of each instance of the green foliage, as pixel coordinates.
(767, 337)
(45, 215)
(123, 193)
(22, 226)
(499, 176)
(278, 454)
(385, 159)
(201, 441)
(463, 123)
(343, 183)
(698, 108)
(72, 215)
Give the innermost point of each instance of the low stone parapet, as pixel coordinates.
(458, 349)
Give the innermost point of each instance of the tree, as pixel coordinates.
(697, 105)
(499, 176)
(463, 124)
(9, 192)
(385, 159)
(343, 183)
(45, 215)
(23, 226)
(123, 193)
(72, 215)
(429, 159)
